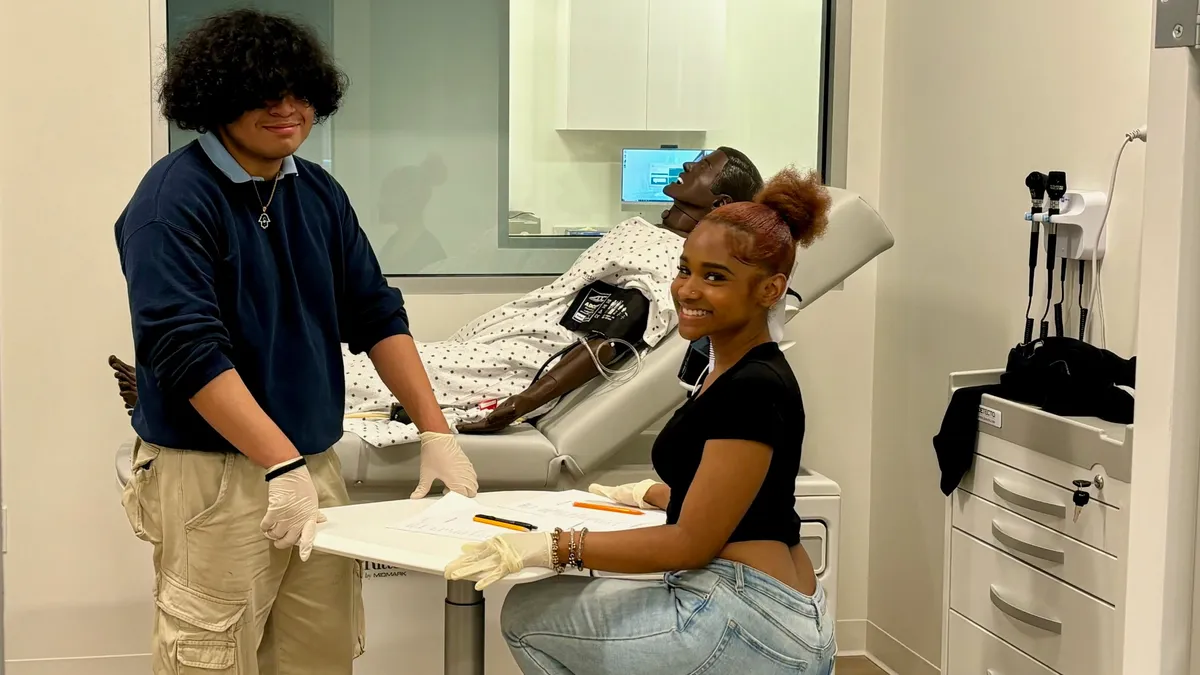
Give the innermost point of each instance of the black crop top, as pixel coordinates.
(758, 399)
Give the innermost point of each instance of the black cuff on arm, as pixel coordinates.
(286, 468)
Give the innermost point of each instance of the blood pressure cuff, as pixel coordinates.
(601, 309)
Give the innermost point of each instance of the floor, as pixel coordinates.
(857, 665)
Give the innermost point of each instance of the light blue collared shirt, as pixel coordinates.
(215, 149)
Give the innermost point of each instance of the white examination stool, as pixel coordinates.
(591, 424)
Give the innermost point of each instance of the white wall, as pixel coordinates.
(78, 585)
(960, 132)
(76, 582)
(840, 440)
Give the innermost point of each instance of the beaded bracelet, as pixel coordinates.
(579, 558)
(558, 566)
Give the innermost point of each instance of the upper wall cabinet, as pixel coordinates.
(654, 65)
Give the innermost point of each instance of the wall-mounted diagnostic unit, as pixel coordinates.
(646, 171)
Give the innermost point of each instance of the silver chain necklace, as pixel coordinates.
(264, 220)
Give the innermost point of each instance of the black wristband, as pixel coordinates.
(290, 466)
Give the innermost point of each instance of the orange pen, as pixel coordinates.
(608, 507)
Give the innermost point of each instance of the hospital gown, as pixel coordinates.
(498, 354)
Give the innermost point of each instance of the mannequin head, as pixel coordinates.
(722, 177)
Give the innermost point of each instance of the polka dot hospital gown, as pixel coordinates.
(498, 354)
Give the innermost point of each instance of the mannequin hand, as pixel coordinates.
(490, 561)
(509, 411)
(442, 459)
(292, 514)
(126, 378)
(630, 494)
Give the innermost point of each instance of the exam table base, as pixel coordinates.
(464, 629)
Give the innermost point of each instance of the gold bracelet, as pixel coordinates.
(571, 548)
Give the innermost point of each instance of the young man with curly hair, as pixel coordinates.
(246, 269)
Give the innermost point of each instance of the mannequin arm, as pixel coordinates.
(126, 382)
(572, 371)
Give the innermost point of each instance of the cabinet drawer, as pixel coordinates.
(974, 651)
(1082, 566)
(1064, 628)
(1099, 524)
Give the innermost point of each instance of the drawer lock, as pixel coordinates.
(1081, 496)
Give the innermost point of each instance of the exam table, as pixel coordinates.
(590, 425)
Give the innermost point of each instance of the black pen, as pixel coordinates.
(515, 523)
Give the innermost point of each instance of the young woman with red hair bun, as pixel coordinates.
(738, 594)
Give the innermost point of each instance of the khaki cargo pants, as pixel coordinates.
(227, 600)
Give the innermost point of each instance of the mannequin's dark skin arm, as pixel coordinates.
(126, 382)
(572, 371)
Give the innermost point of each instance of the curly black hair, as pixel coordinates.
(238, 61)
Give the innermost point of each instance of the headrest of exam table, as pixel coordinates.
(856, 234)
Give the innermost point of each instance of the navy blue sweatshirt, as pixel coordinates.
(210, 290)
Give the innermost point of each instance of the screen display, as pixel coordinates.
(646, 171)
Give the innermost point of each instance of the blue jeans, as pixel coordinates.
(725, 618)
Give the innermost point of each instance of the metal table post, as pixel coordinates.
(464, 629)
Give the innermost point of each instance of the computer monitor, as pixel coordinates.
(646, 171)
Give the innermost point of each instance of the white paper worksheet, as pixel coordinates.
(559, 507)
(453, 516)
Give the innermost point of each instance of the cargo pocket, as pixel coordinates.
(203, 629)
(140, 494)
(206, 655)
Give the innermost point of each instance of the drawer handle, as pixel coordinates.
(1048, 508)
(1048, 625)
(1050, 554)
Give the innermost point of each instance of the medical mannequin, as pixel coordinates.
(739, 594)
(719, 178)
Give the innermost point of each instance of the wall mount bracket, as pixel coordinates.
(1176, 23)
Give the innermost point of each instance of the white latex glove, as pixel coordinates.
(292, 511)
(629, 494)
(490, 561)
(442, 459)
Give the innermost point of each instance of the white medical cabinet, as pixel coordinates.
(1030, 588)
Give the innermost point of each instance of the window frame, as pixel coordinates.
(831, 161)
